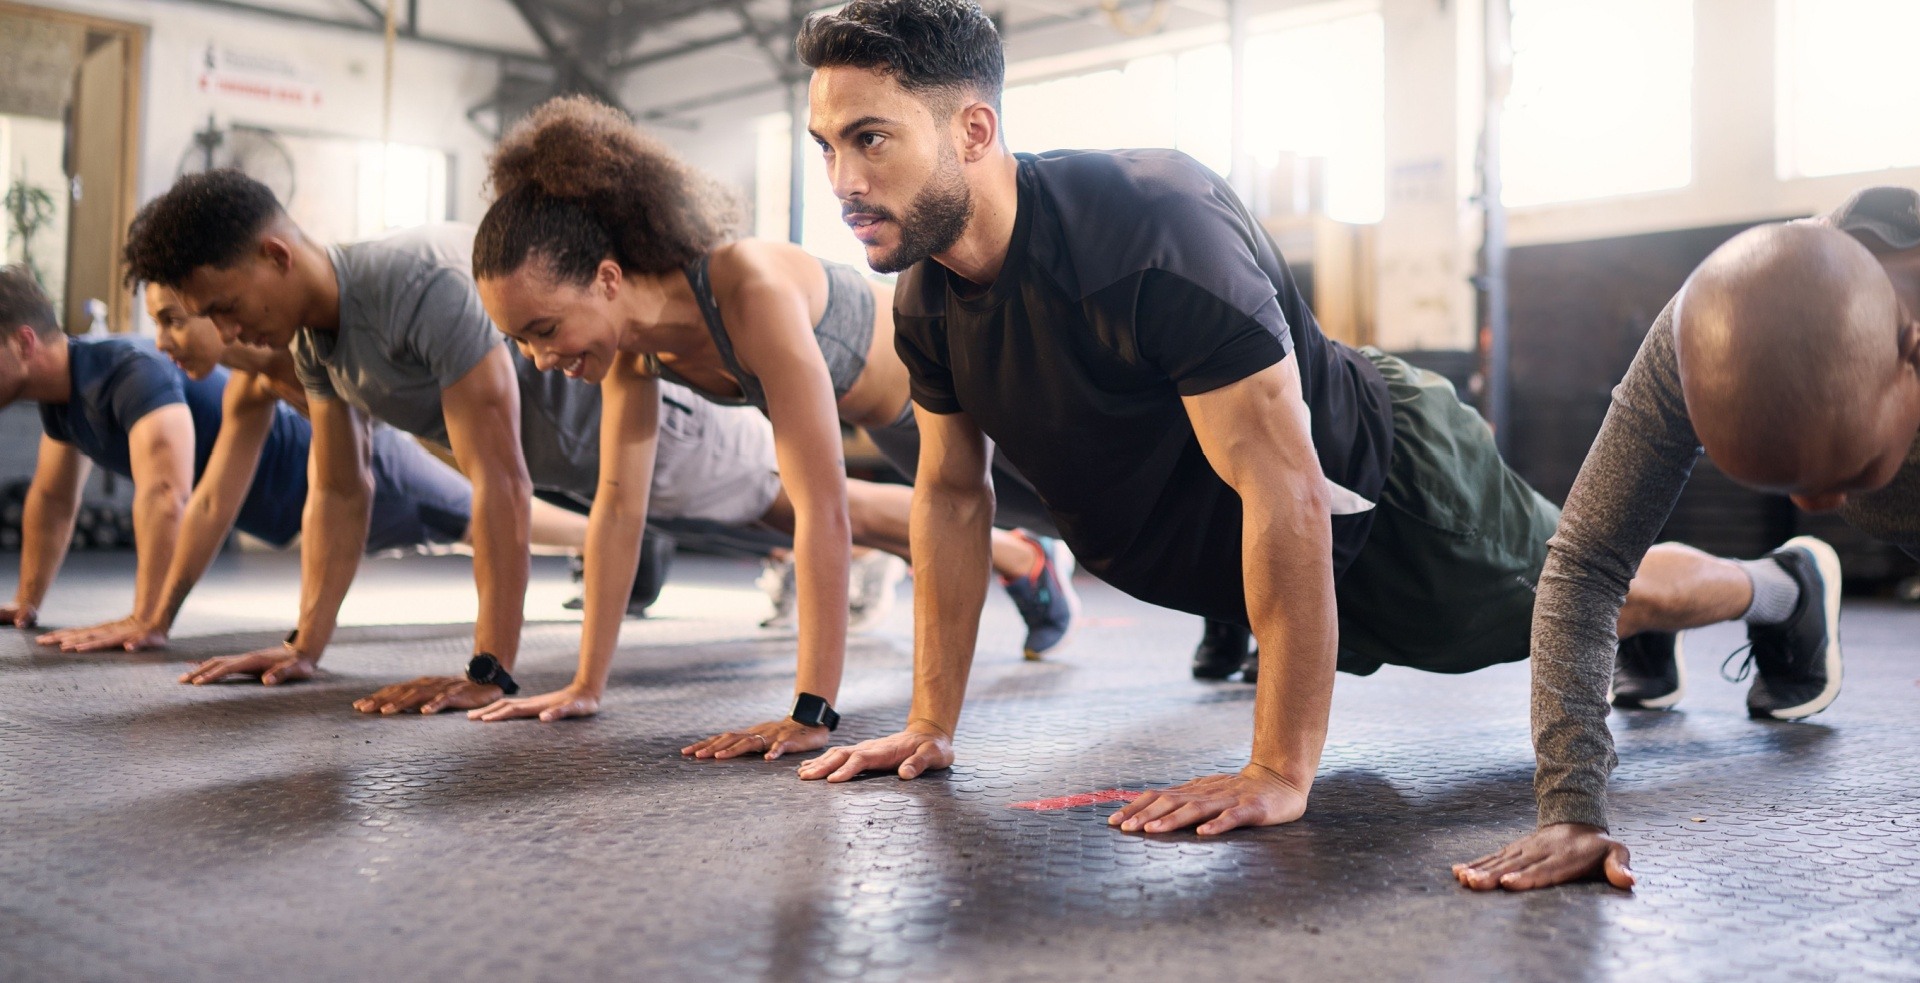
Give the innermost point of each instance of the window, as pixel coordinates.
(399, 186)
(1845, 101)
(1314, 89)
(1602, 99)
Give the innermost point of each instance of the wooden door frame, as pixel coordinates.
(134, 80)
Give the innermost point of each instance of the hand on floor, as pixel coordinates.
(775, 737)
(557, 705)
(270, 666)
(1254, 797)
(19, 615)
(1551, 855)
(429, 694)
(908, 754)
(129, 633)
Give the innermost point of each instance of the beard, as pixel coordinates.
(933, 221)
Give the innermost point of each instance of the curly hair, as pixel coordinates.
(208, 219)
(576, 182)
(931, 47)
(22, 302)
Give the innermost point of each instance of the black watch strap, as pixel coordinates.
(814, 711)
(486, 670)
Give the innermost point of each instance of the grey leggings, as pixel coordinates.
(1016, 503)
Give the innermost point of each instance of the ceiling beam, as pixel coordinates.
(572, 71)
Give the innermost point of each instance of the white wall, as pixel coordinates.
(432, 87)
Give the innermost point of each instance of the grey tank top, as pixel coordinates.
(844, 333)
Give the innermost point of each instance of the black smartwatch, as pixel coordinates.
(487, 671)
(814, 712)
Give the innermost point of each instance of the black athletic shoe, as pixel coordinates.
(1649, 672)
(1797, 662)
(1250, 669)
(1223, 650)
(656, 558)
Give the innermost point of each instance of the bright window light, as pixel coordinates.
(399, 187)
(1602, 99)
(1846, 103)
(1180, 100)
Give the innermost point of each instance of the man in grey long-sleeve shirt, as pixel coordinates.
(1792, 357)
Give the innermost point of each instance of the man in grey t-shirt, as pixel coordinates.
(392, 330)
(1792, 359)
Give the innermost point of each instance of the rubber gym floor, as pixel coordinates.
(159, 832)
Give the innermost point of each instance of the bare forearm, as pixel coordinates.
(1290, 600)
(201, 535)
(613, 535)
(501, 533)
(157, 515)
(46, 532)
(821, 549)
(333, 535)
(950, 531)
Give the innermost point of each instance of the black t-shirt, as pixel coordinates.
(1135, 278)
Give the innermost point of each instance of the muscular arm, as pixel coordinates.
(629, 434)
(483, 424)
(951, 522)
(1626, 489)
(160, 446)
(1287, 548)
(246, 419)
(46, 527)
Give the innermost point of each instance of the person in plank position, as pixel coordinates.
(1128, 335)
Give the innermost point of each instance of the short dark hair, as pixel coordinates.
(579, 183)
(928, 46)
(208, 219)
(23, 302)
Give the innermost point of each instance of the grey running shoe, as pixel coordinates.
(1649, 672)
(656, 558)
(777, 580)
(1045, 597)
(872, 583)
(1797, 662)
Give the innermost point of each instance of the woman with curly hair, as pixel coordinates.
(606, 257)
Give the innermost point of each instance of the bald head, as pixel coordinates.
(1793, 352)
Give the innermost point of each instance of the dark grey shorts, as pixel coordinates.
(417, 500)
(1446, 580)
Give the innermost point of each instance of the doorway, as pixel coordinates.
(69, 156)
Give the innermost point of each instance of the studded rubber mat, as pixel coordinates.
(154, 831)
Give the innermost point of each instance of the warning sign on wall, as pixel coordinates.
(257, 76)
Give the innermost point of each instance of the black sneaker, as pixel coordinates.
(1649, 672)
(1797, 662)
(656, 558)
(1223, 650)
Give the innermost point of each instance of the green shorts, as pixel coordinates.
(1445, 582)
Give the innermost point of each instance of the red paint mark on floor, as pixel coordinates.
(1083, 799)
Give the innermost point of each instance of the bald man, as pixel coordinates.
(1792, 359)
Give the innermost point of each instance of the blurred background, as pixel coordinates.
(1506, 191)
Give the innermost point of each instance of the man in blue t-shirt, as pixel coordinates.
(1125, 332)
(119, 403)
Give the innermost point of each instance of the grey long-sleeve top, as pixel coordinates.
(1627, 488)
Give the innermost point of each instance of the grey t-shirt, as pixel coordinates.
(411, 325)
(1626, 490)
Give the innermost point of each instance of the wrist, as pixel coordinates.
(926, 725)
(1288, 777)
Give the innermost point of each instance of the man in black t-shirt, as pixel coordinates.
(1121, 327)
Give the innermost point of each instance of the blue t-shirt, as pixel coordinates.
(116, 381)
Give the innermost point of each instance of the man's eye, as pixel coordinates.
(870, 140)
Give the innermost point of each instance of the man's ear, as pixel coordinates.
(25, 342)
(278, 252)
(978, 130)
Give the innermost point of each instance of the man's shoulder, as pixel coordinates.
(1107, 215)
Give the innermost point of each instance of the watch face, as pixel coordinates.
(482, 668)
